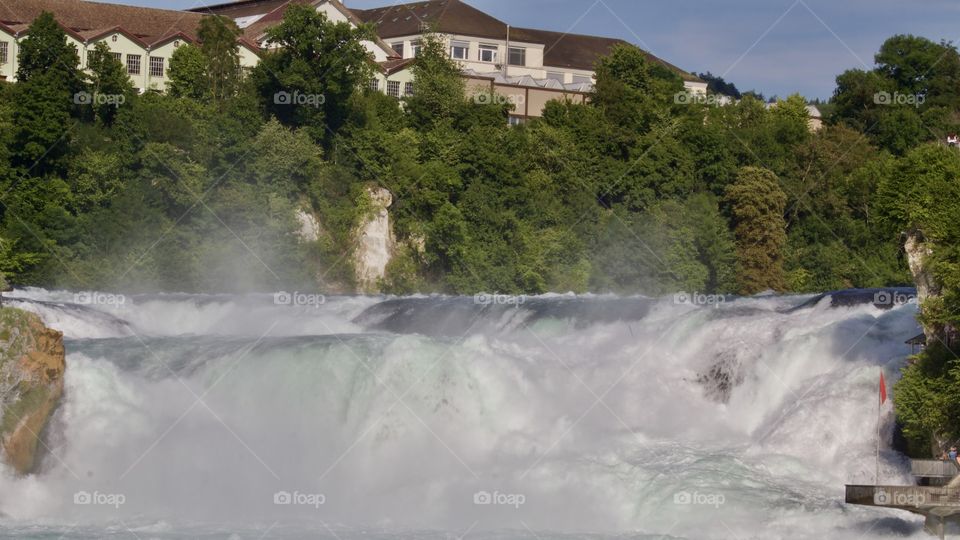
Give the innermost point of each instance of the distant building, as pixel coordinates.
(815, 122)
(525, 66)
(143, 39)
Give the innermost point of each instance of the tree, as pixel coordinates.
(46, 50)
(110, 86)
(317, 65)
(717, 85)
(756, 205)
(920, 67)
(633, 90)
(218, 42)
(45, 96)
(188, 73)
(439, 87)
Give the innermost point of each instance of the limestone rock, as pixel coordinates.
(32, 365)
(376, 242)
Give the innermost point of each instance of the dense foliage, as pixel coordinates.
(637, 190)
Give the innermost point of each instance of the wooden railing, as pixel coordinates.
(934, 468)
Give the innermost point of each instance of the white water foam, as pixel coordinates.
(206, 409)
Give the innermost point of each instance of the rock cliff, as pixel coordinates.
(32, 365)
(376, 242)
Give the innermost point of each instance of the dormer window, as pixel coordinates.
(488, 53)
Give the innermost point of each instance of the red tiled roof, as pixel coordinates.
(446, 16)
(576, 51)
(147, 25)
(271, 12)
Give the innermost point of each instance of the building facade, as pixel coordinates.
(143, 39)
(523, 66)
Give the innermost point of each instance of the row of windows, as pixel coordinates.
(393, 88)
(516, 56)
(460, 50)
(134, 60)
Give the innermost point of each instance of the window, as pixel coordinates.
(133, 64)
(459, 50)
(393, 88)
(416, 46)
(582, 79)
(156, 66)
(517, 56)
(555, 75)
(488, 53)
(375, 85)
(408, 89)
(118, 57)
(515, 120)
(4, 52)
(398, 48)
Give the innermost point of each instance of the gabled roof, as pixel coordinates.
(395, 64)
(445, 16)
(577, 51)
(259, 15)
(146, 25)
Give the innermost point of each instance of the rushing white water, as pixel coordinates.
(193, 416)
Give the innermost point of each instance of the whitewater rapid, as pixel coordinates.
(217, 416)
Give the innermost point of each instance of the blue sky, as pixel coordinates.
(774, 46)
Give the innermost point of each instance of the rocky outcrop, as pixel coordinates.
(918, 252)
(376, 241)
(309, 227)
(32, 365)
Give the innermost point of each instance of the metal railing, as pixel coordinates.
(934, 468)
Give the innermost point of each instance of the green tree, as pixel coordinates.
(46, 95)
(439, 87)
(756, 205)
(308, 80)
(188, 73)
(218, 42)
(110, 86)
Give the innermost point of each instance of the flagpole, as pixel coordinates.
(879, 405)
(877, 474)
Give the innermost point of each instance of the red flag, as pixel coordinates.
(883, 389)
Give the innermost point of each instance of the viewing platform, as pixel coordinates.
(937, 499)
